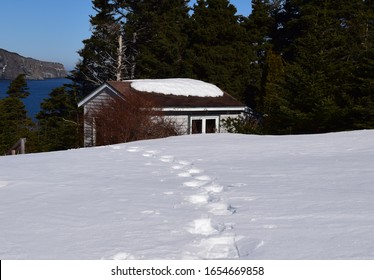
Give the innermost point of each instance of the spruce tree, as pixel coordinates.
(59, 120)
(274, 103)
(320, 74)
(219, 49)
(360, 20)
(159, 36)
(14, 122)
(107, 54)
(259, 26)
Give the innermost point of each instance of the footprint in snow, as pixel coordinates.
(167, 158)
(116, 147)
(147, 154)
(184, 174)
(199, 198)
(217, 247)
(214, 188)
(177, 167)
(123, 256)
(133, 149)
(202, 227)
(248, 246)
(194, 183)
(203, 178)
(184, 162)
(237, 185)
(191, 172)
(180, 164)
(149, 212)
(194, 171)
(3, 184)
(221, 209)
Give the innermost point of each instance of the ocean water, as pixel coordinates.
(39, 90)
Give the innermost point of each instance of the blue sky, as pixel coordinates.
(53, 30)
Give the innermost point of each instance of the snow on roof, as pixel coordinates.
(177, 86)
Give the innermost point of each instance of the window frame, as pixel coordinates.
(204, 119)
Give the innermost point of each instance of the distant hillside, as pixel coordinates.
(13, 64)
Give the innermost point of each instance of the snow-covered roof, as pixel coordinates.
(171, 93)
(177, 86)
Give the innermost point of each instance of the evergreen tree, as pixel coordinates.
(59, 121)
(107, 54)
(321, 77)
(159, 37)
(14, 123)
(259, 26)
(361, 24)
(286, 27)
(274, 103)
(219, 49)
(18, 87)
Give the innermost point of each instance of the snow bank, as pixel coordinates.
(178, 86)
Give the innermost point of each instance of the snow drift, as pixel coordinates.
(221, 196)
(177, 86)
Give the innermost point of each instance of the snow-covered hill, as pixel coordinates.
(193, 197)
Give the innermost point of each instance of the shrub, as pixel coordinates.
(118, 121)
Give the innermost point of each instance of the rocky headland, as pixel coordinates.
(13, 64)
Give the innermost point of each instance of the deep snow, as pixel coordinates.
(220, 196)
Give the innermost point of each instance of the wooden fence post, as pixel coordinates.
(22, 146)
(19, 147)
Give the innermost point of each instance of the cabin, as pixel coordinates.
(196, 106)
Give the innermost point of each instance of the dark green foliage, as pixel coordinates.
(242, 124)
(305, 65)
(219, 49)
(18, 87)
(159, 34)
(320, 78)
(324, 48)
(259, 25)
(14, 123)
(273, 102)
(59, 121)
(102, 58)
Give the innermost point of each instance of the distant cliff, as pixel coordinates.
(13, 64)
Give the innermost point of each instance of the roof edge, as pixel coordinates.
(96, 92)
(197, 109)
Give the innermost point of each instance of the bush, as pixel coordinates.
(243, 125)
(119, 121)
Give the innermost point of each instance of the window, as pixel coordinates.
(197, 126)
(210, 126)
(204, 125)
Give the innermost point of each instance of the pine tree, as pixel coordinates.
(320, 73)
(160, 39)
(18, 87)
(360, 21)
(287, 27)
(219, 46)
(14, 123)
(274, 103)
(259, 26)
(59, 121)
(108, 53)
